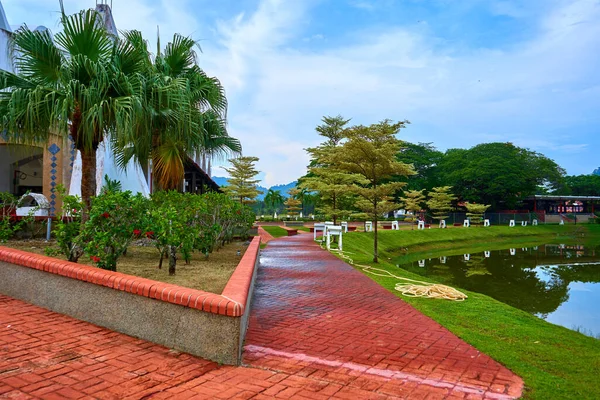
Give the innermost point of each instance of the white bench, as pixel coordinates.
(319, 228)
(334, 230)
(368, 226)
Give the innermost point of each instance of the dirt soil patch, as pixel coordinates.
(210, 275)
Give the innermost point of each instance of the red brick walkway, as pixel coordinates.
(318, 330)
(315, 316)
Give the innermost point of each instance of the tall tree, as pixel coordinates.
(273, 199)
(413, 201)
(82, 82)
(186, 111)
(440, 202)
(425, 159)
(332, 129)
(292, 204)
(241, 185)
(499, 174)
(370, 154)
(581, 185)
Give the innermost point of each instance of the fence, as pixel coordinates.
(495, 218)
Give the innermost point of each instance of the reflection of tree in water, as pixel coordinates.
(510, 279)
(476, 266)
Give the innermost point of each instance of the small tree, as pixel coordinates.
(440, 202)
(413, 201)
(475, 212)
(274, 199)
(292, 204)
(242, 185)
(370, 154)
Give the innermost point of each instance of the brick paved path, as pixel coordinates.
(316, 316)
(318, 330)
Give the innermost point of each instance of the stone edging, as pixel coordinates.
(231, 303)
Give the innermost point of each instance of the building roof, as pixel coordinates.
(3, 21)
(561, 197)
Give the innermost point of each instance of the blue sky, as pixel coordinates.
(463, 72)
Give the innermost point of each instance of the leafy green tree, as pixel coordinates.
(440, 202)
(499, 174)
(82, 82)
(370, 154)
(274, 199)
(425, 159)
(475, 212)
(413, 201)
(185, 113)
(581, 185)
(241, 185)
(332, 129)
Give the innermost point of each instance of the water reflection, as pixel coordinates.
(560, 283)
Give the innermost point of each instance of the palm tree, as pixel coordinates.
(274, 198)
(186, 114)
(83, 82)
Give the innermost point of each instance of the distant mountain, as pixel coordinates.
(283, 189)
(596, 171)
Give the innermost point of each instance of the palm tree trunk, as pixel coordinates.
(88, 180)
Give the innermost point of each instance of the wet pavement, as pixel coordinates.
(318, 330)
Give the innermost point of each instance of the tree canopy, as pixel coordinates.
(499, 174)
(241, 185)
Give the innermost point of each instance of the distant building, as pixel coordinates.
(553, 208)
(40, 168)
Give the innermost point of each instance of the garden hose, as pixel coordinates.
(412, 288)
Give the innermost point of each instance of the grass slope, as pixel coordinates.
(275, 231)
(555, 362)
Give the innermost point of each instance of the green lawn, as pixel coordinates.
(555, 362)
(275, 231)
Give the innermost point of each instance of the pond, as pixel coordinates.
(559, 283)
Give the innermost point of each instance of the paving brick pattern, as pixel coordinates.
(316, 316)
(318, 330)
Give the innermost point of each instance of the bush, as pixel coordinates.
(9, 205)
(115, 219)
(68, 226)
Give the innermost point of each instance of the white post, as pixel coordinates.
(421, 225)
(466, 223)
(443, 224)
(368, 226)
(443, 259)
(511, 223)
(562, 222)
(523, 223)
(486, 222)
(395, 225)
(534, 222)
(422, 263)
(487, 254)
(513, 252)
(467, 257)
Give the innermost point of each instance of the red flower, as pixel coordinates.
(95, 259)
(74, 210)
(149, 234)
(106, 215)
(137, 232)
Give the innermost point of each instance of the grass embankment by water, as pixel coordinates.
(209, 274)
(555, 362)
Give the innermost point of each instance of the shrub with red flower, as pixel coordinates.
(106, 215)
(149, 234)
(95, 259)
(137, 232)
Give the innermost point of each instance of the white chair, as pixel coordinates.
(486, 222)
(421, 225)
(368, 226)
(319, 228)
(523, 223)
(334, 230)
(511, 223)
(534, 222)
(395, 226)
(443, 224)
(344, 226)
(466, 223)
